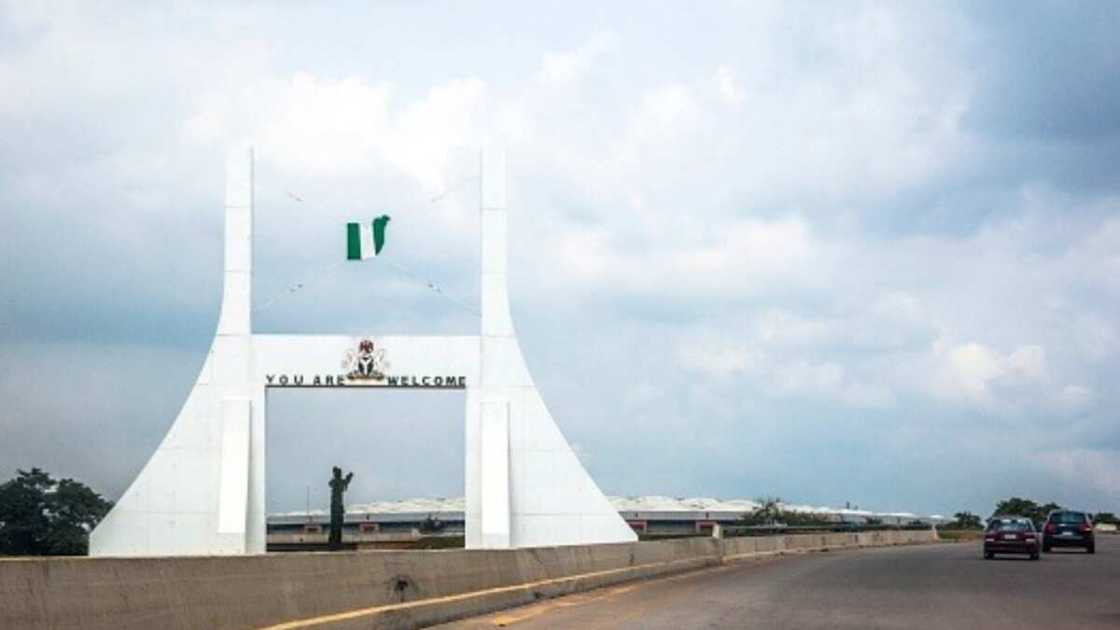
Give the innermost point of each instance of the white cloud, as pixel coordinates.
(1027, 363)
(319, 126)
(783, 328)
(972, 371)
(1096, 337)
(1075, 397)
(742, 258)
(1083, 466)
(666, 113)
(969, 368)
(563, 68)
(831, 381)
(641, 395)
(729, 88)
(775, 371)
(344, 127)
(714, 356)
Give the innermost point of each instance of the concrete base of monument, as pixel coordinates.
(379, 589)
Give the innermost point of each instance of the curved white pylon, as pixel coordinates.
(202, 491)
(193, 495)
(549, 499)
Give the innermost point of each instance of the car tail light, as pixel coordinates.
(1085, 527)
(1050, 528)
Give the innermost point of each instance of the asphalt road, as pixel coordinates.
(934, 586)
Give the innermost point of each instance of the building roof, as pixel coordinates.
(637, 505)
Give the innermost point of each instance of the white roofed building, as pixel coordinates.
(403, 523)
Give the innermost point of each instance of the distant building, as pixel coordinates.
(389, 524)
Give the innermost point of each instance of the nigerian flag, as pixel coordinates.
(364, 240)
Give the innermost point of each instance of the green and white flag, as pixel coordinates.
(364, 240)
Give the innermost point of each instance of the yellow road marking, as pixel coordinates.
(535, 610)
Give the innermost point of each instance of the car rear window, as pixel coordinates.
(1010, 525)
(1068, 518)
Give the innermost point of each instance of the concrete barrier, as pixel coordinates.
(390, 589)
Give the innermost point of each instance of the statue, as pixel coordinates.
(338, 485)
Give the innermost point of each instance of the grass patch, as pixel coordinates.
(960, 535)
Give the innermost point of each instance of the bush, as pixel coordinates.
(1106, 517)
(964, 521)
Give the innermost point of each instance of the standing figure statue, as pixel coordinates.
(338, 510)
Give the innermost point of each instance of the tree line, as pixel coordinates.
(1019, 506)
(770, 511)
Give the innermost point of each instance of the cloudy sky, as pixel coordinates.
(863, 252)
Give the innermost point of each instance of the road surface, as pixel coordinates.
(934, 586)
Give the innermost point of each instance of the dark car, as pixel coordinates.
(1065, 528)
(1011, 534)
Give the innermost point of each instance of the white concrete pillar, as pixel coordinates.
(495, 518)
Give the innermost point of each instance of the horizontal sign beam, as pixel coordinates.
(341, 380)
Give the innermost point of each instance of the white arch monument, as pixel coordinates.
(203, 490)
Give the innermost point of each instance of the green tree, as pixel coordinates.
(768, 512)
(1016, 506)
(771, 512)
(1045, 509)
(41, 516)
(1105, 517)
(1025, 507)
(965, 520)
